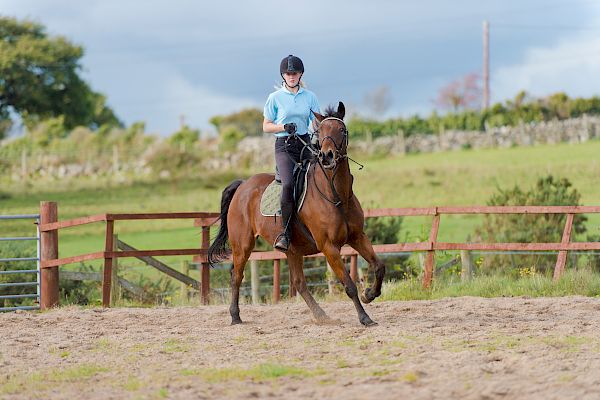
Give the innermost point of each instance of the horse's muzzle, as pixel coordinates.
(327, 159)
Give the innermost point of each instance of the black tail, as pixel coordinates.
(219, 250)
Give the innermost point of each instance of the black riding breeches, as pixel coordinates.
(288, 152)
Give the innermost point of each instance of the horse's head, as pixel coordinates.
(332, 135)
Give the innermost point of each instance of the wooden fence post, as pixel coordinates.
(291, 287)
(49, 292)
(361, 276)
(330, 279)
(254, 281)
(276, 284)
(354, 268)
(185, 269)
(108, 263)
(205, 279)
(466, 272)
(430, 258)
(561, 261)
(115, 288)
(421, 257)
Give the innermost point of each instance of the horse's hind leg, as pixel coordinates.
(241, 252)
(363, 245)
(295, 263)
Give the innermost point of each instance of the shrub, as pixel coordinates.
(519, 228)
(165, 157)
(185, 137)
(80, 292)
(230, 137)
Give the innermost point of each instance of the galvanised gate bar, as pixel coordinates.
(18, 261)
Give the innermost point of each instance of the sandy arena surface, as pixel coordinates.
(459, 348)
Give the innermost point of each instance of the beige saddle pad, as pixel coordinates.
(270, 203)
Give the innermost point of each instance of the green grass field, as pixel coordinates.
(467, 177)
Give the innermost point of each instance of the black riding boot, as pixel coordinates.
(283, 240)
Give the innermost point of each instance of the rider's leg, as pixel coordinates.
(285, 165)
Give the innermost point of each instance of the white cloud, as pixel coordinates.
(571, 65)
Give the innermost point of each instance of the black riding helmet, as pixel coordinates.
(291, 64)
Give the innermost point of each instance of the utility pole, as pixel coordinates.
(486, 65)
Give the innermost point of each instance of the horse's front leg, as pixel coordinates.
(376, 270)
(335, 262)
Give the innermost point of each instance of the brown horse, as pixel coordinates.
(331, 214)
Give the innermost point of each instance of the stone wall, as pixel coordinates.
(577, 130)
(259, 151)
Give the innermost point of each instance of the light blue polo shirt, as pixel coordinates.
(284, 107)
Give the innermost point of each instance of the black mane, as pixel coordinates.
(330, 111)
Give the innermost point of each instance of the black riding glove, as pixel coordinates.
(290, 128)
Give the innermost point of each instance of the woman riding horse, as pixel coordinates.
(331, 215)
(287, 114)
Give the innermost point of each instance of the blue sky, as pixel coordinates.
(157, 60)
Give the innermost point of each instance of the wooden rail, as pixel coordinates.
(50, 262)
(432, 245)
(49, 227)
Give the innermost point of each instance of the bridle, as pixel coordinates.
(338, 155)
(340, 149)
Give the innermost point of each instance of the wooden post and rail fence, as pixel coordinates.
(50, 262)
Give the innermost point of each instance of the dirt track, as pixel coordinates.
(465, 348)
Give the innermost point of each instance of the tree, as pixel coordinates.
(39, 79)
(185, 136)
(558, 105)
(463, 93)
(248, 122)
(378, 100)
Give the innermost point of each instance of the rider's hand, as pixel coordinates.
(290, 128)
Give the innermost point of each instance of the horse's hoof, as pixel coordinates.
(368, 322)
(235, 321)
(368, 296)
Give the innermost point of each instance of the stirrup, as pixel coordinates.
(282, 242)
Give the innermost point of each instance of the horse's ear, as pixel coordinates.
(341, 111)
(318, 116)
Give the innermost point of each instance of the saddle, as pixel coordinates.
(270, 202)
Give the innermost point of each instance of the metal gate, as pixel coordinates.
(5, 271)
